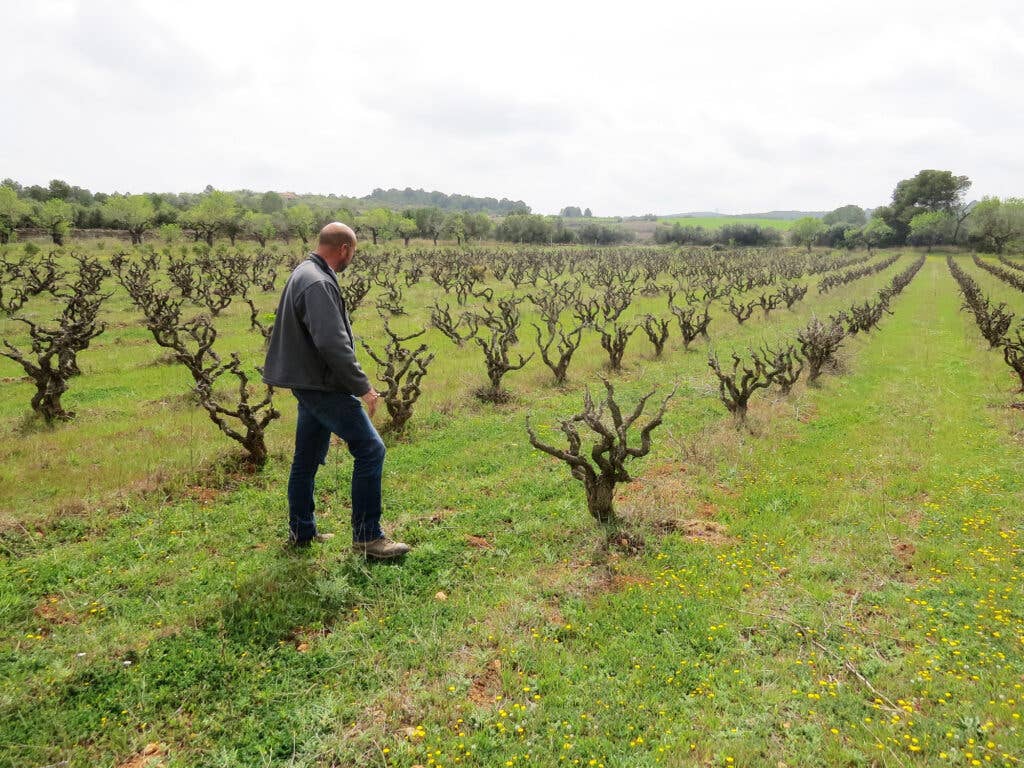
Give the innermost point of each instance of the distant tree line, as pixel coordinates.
(574, 212)
(271, 215)
(533, 228)
(213, 213)
(730, 234)
(418, 198)
(927, 210)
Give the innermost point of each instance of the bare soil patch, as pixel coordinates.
(664, 499)
(53, 611)
(151, 755)
(205, 496)
(479, 542)
(487, 684)
(552, 611)
(701, 529)
(612, 583)
(904, 552)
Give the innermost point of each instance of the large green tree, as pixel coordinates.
(298, 220)
(524, 228)
(853, 237)
(55, 216)
(877, 233)
(379, 222)
(259, 226)
(12, 211)
(429, 222)
(134, 213)
(995, 223)
(806, 231)
(271, 202)
(929, 190)
(60, 190)
(405, 227)
(477, 225)
(215, 212)
(931, 228)
(846, 214)
(593, 232)
(454, 227)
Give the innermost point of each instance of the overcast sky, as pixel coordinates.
(627, 108)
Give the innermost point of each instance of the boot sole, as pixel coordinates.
(375, 556)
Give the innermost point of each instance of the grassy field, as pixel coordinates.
(839, 585)
(717, 222)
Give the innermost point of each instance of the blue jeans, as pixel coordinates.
(320, 414)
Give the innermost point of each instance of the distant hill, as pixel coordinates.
(781, 215)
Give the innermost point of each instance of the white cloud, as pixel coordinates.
(739, 106)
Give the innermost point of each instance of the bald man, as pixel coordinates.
(312, 353)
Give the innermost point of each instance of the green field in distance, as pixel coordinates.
(716, 222)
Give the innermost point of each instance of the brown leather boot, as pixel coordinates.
(380, 549)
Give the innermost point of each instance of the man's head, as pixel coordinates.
(337, 245)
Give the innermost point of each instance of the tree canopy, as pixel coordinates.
(931, 228)
(55, 216)
(877, 233)
(435, 199)
(134, 213)
(211, 214)
(12, 211)
(929, 190)
(995, 223)
(846, 214)
(524, 228)
(805, 231)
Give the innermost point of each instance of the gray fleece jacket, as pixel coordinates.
(311, 345)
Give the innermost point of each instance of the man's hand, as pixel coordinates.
(370, 401)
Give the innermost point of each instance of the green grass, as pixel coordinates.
(852, 595)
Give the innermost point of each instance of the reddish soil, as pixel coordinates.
(151, 756)
(487, 684)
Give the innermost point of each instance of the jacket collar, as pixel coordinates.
(324, 267)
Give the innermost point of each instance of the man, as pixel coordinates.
(312, 353)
